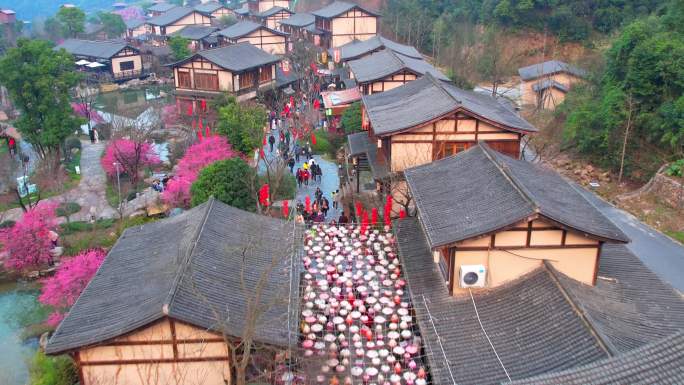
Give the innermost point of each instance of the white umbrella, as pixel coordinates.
(82, 62)
(95, 65)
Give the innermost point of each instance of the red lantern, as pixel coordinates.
(286, 209)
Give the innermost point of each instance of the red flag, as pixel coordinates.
(386, 214)
(374, 216)
(189, 112)
(207, 131)
(313, 139)
(402, 214)
(359, 209)
(261, 153)
(203, 103)
(307, 204)
(199, 135)
(286, 209)
(200, 124)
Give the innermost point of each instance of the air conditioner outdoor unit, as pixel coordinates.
(473, 276)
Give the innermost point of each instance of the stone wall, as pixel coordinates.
(669, 189)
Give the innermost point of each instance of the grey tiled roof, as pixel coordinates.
(361, 144)
(235, 57)
(244, 10)
(272, 11)
(189, 268)
(661, 363)
(170, 16)
(101, 49)
(427, 98)
(456, 208)
(630, 306)
(161, 7)
(195, 32)
(531, 325)
(339, 7)
(299, 20)
(548, 83)
(245, 27)
(134, 23)
(283, 79)
(548, 68)
(357, 48)
(208, 8)
(384, 63)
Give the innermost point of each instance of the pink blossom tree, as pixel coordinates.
(62, 289)
(131, 157)
(27, 244)
(197, 156)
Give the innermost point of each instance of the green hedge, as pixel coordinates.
(68, 208)
(58, 370)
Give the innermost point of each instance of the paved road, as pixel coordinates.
(90, 192)
(660, 253)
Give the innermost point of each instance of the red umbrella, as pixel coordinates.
(286, 209)
(374, 216)
(307, 204)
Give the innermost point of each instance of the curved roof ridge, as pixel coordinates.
(187, 258)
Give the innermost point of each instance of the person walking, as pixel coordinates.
(305, 177)
(300, 177)
(12, 146)
(325, 206)
(319, 195)
(287, 137)
(297, 151)
(335, 198)
(271, 141)
(291, 164)
(319, 172)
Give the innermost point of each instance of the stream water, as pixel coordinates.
(19, 308)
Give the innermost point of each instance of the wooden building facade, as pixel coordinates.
(272, 17)
(270, 40)
(544, 85)
(343, 22)
(119, 61)
(174, 20)
(162, 318)
(518, 226)
(240, 69)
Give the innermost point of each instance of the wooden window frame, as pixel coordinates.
(208, 82)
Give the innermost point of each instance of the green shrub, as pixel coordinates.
(675, 169)
(68, 208)
(228, 181)
(322, 145)
(58, 370)
(351, 118)
(76, 227)
(7, 224)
